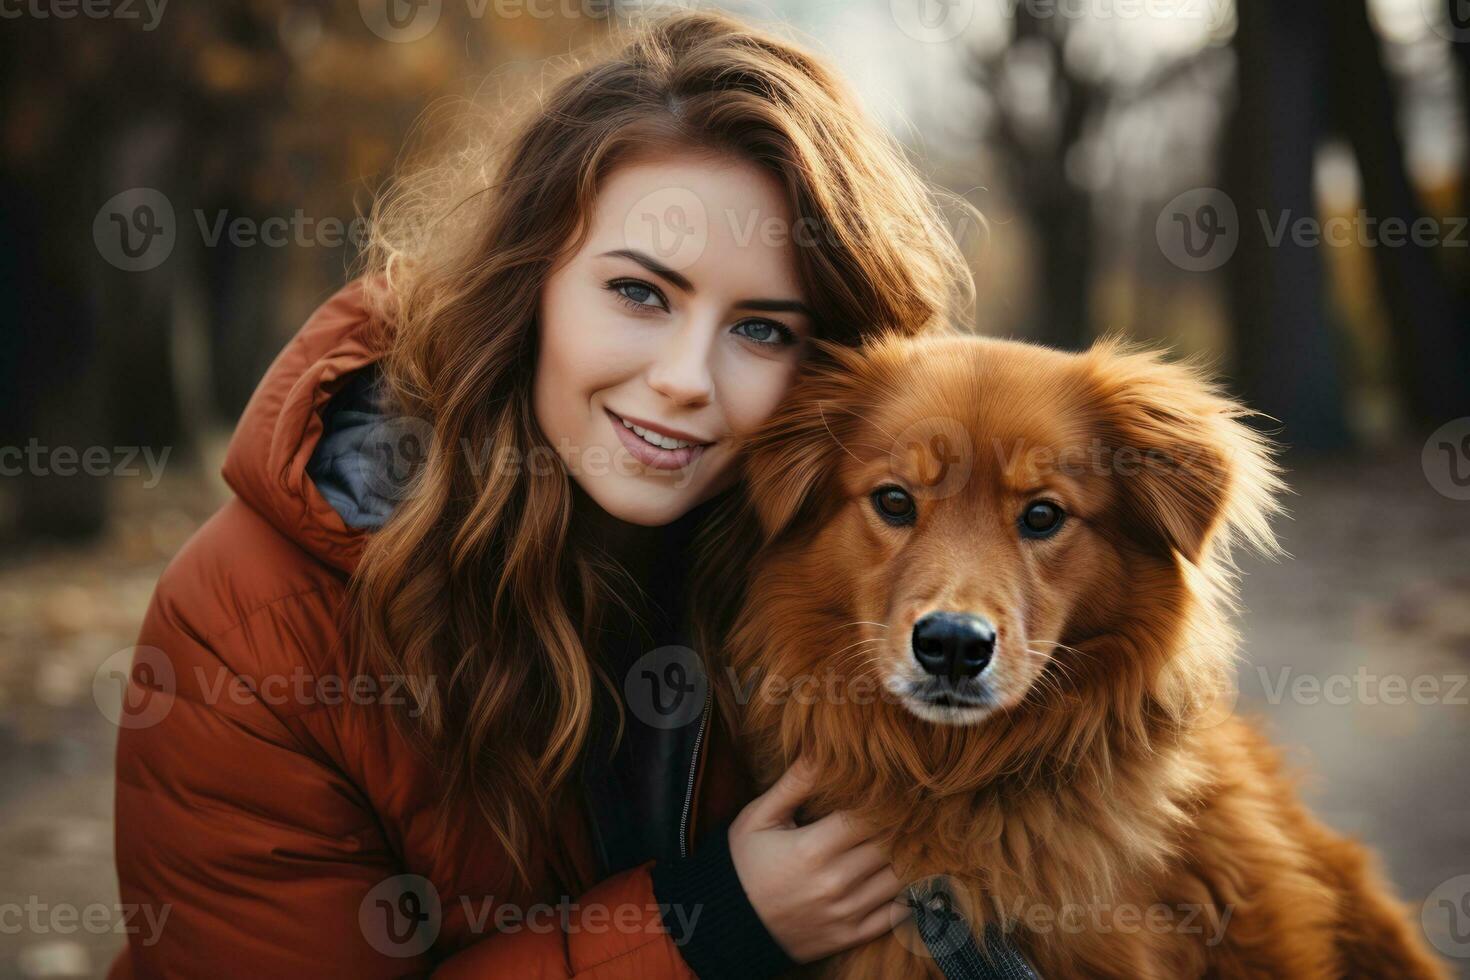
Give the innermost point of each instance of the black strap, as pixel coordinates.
(948, 938)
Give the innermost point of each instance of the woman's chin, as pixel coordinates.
(642, 501)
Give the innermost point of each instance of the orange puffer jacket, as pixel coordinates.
(276, 827)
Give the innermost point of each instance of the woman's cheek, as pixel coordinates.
(756, 387)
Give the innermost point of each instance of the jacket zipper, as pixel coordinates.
(693, 772)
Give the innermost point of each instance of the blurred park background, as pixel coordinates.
(1279, 186)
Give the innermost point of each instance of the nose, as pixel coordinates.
(953, 645)
(680, 372)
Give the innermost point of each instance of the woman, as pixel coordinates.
(399, 723)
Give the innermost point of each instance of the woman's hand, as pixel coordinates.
(818, 889)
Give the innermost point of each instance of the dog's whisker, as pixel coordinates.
(821, 411)
(1071, 649)
(1055, 666)
(860, 622)
(858, 643)
(864, 656)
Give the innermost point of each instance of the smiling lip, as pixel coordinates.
(649, 454)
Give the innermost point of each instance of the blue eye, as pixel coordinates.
(636, 295)
(767, 332)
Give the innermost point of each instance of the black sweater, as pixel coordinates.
(637, 792)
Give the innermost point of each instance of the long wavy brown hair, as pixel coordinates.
(478, 590)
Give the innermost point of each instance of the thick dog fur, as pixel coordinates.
(1107, 809)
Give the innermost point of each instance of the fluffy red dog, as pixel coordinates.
(993, 606)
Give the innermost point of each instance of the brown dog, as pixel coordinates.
(993, 606)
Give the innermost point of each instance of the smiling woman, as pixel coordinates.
(668, 365)
(629, 281)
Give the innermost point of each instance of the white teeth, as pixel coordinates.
(653, 438)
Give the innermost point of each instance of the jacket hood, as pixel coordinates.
(268, 462)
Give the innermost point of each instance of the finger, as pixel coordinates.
(881, 920)
(777, 805)
(880, 888)
(861, 862)
(838, 832)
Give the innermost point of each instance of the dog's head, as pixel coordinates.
(983, 526)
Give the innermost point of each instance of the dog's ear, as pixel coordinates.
(790, 466)
(1190, 473)
(791, 462)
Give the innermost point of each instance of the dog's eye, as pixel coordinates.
(894, 505)
(1041, 518)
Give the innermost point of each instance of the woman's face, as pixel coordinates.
(682, 315)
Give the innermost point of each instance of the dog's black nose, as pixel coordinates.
(953, 645)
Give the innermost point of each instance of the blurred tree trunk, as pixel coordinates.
(1430, 337)
(1289, 353)
(1460, 51)
(1035, 154)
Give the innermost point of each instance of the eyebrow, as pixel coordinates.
(659, 269)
